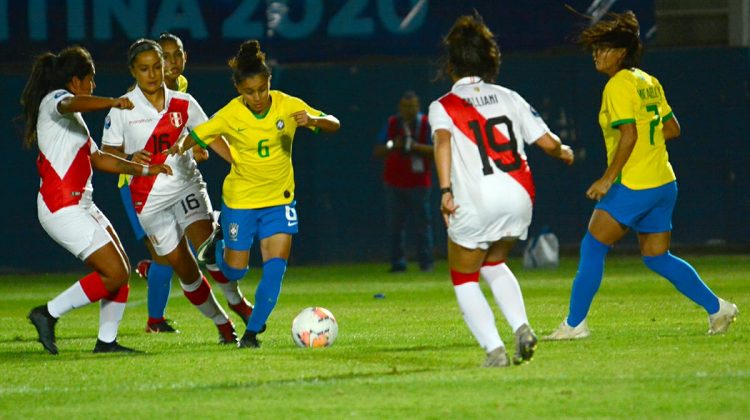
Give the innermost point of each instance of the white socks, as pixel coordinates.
(478, 315)
(72, 298)
(110, 315)
(507, 293)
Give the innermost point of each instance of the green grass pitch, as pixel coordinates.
(409, 355)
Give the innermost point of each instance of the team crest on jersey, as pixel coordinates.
(280, 124)
(234, 230)
(176, 119)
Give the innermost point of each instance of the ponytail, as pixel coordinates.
(50, 72)
(39, 84)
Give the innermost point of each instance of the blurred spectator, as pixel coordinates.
(405, 144)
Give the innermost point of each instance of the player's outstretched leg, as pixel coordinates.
(687, 281)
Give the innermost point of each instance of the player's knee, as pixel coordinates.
(234, 274)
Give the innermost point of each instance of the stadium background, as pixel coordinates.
(353, 59)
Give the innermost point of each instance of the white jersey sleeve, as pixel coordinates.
(439, 119)
(50, 103)
(532, 126)
(113, 134)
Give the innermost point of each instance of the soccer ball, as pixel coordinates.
(314, 327)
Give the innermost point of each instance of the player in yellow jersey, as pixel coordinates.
(638, 190)
(258, 194)
(175, 58)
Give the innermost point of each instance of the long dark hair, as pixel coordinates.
(50, 72)
(470, 50)
(619, 30)
(248, 62)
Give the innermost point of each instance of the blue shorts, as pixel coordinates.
(127, 202)
(240, 226)
(644, 211)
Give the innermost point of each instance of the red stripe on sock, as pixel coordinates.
(121, 295)
(93, 287)
(492, 263)
(199, 295)
(152, 321)
(462, 278)
(218, 276)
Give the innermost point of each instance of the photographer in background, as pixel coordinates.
(406, 145)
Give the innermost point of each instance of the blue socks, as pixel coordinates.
(588, 278)
(267, 293)
(684, 277)
(159, 286)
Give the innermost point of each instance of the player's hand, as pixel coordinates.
(200, 154)
(176, 148)
(159, 169)
(122, 103)
(598, 189)
(142, 156)
(566, 154)
(447, 206)
(303, 119)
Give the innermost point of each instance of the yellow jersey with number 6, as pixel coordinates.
(261, 145)
(633, 96)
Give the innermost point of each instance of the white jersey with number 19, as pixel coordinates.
(491, 179)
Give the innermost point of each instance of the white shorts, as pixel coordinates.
(166, 227)
(80, 230)
(490, 216)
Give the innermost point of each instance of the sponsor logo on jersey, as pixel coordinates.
(141, 121)
(234, 230)
(280, 124)
(534, 112)
(59, 94)
(176, 119)
(107, 122)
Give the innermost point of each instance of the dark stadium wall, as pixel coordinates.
(339, 192)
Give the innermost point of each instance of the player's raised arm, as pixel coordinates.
(92, 103)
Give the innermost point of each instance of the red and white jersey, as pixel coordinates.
(64, 162)
(143, 127)
(490, 125)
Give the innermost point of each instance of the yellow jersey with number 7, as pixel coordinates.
(261, 147)
(633, 96)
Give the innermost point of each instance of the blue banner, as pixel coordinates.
(291, 30)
